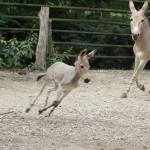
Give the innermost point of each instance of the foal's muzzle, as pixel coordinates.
(87, 80)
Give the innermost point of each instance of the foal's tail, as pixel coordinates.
(40, 76)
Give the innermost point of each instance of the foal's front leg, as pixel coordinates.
(61, 93)
(135, 78)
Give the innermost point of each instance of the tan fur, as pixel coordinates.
(140, 31)
(66, 78)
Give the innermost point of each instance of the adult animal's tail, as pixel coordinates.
(40, 76)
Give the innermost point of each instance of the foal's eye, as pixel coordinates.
(82, 66)
(142, 20)
(131, 19)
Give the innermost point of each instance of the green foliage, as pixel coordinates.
(2, 63)
(18, 54)
(57, 57)
(21, 53)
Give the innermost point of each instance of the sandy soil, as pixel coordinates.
(91, 117)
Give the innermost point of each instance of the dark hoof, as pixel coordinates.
(27, 110)
(141, 87)
(40, 111)
(124, 95)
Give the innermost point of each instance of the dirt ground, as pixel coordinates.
(91, 117)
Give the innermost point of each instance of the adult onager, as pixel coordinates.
(140, 32)
(65, 77)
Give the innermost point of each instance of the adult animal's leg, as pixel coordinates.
(137, 62)
(140, 67)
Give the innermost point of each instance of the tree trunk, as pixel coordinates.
(43, 39)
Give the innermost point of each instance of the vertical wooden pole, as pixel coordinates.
(49, 43)
(43, 39)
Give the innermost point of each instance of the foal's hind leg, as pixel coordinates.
(134, 77)
(49, 91)
(41, 91)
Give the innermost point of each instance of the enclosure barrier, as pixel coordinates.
(73, 20)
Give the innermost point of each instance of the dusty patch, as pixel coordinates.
(91, 117)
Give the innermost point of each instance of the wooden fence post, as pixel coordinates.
(49, 43)
(43, 39)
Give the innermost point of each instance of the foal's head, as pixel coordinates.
(137, 19)
(82, 64)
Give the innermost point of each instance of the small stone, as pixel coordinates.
(124, 95)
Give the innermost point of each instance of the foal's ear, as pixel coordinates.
(82, 53)
(91, 54)
(145, 6)
(131, 5)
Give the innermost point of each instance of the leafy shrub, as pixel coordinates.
(57, 56)
(18, 54)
